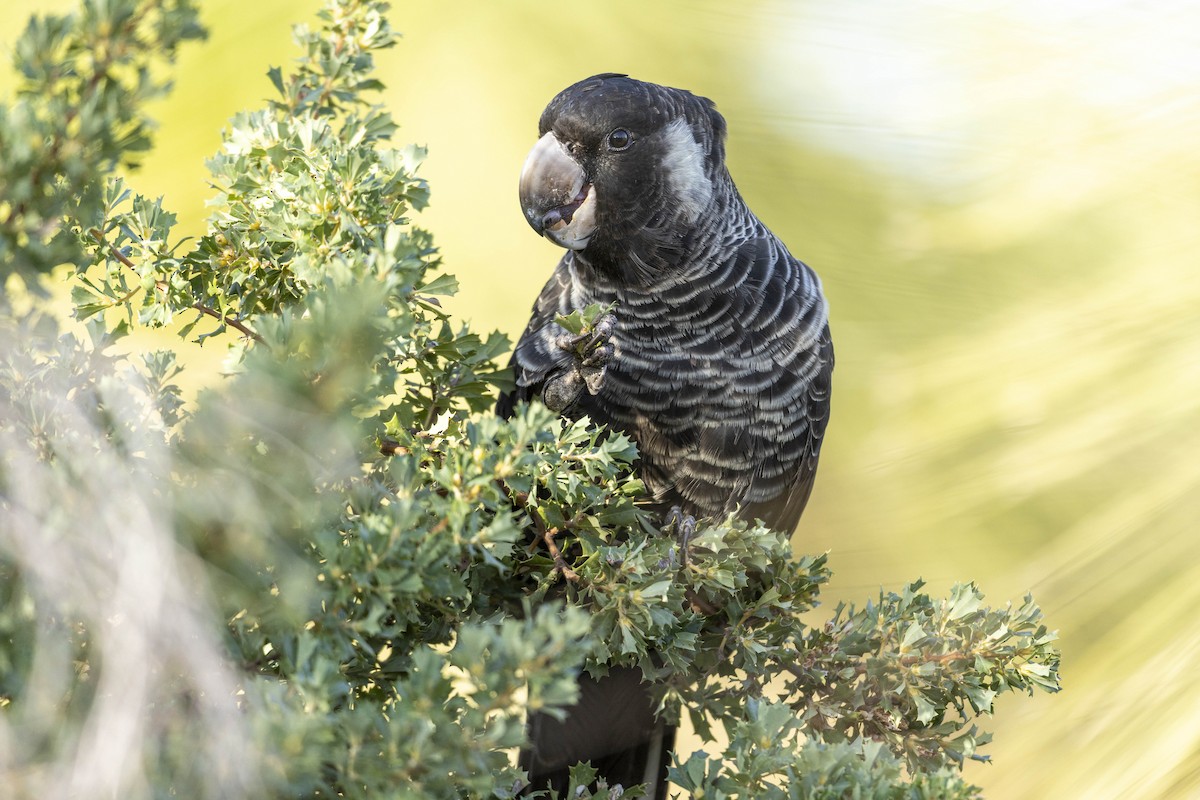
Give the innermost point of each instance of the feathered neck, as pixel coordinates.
(664, 245)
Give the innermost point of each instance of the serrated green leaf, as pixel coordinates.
(582, 321)
(964, 599)
(275, 74)
(926, 711)
(657, 589)
(912, 634)
(443, 284)
(86, 310)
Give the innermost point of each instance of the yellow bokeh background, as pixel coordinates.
(1003, 201)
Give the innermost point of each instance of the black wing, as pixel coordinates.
(783, 512)
(722, 377)
(535, 355)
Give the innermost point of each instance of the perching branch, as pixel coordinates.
(231, 321)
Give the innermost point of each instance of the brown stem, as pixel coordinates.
(560, 564)
(905, 661)
(228, 319)
(546, 534)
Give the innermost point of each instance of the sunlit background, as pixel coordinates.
(1003, 201)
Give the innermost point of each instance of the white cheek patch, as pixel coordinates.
(683, 164)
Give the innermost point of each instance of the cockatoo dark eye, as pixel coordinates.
(619, 139)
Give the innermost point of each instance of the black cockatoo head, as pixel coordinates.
(623, 165)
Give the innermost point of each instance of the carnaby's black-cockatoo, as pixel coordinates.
(716, 360)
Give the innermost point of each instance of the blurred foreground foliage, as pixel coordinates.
(338, 574)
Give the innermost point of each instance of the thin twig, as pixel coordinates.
(546, 534)
(560, 564)
(904, 661)
(231, 321)
(228, 319)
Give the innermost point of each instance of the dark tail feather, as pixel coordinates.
(613, 726)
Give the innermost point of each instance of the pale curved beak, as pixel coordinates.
(556, 198)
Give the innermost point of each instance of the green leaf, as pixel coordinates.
(913, 634)
(443, 284)
(583, 320)
(965, 599)
(276, 77)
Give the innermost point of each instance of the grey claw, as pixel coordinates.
(681, 525)
(599, 356)
(590, 354)
(593, 378)
(568, 341)
(604, 327)
(677, 522)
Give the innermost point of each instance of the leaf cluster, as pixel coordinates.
(767, 757)
(913, 671)
(77, 115)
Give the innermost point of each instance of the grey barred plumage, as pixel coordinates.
(721, 351)
(717, 360)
